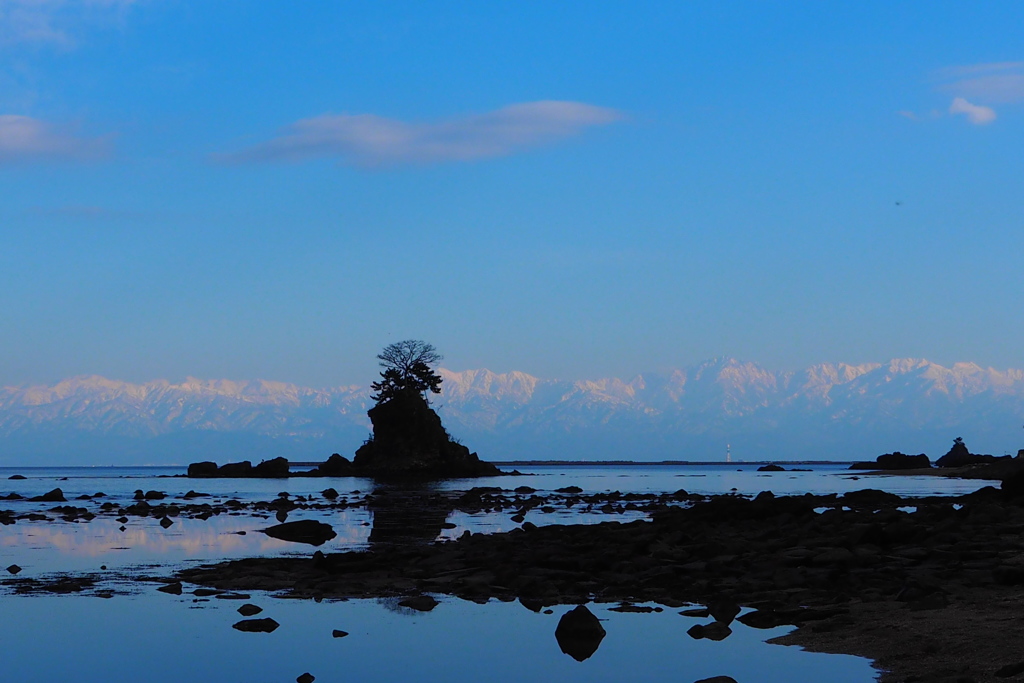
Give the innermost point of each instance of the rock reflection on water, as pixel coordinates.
(50, 546)
(407, 513)
(579, 633)
(458, 642)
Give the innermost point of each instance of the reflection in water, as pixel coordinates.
(407, 513)
(48, 546)
(579, 633)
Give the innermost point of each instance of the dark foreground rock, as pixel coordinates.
(934, 593)
(305, 531)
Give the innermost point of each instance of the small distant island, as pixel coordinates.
(957, 462)
(408, 439)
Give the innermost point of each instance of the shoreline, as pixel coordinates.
(929, 595)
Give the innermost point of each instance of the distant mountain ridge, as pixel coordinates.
(827, 411)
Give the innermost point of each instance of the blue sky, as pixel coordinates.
(575, 189)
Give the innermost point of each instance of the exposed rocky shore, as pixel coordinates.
(408, 442)
(930, 595)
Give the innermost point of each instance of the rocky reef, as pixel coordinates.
(895, 461)
(410, 441)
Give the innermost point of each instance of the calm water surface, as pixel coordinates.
(156, 637)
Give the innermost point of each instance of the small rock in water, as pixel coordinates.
(339, 634)
(717, 679)
(420, 603)
(14, 569)
(716, 630)
(305, 531)
(16, 477)
(579, 633)
(166, 522)
(724, 612)
(329, 494)
(122, 527)
(281, 515)
(171, 588)
(54, 496)
(256, 625)
(249, 609)
(305, 678)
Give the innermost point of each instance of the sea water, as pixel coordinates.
(147, 635)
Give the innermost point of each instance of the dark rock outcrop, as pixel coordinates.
(335, 466)
(305, 531)
(579, 633)
(409, 441)
(771, 467)
(895, 461)
(959, 456)
(256, 625)
(54, 496)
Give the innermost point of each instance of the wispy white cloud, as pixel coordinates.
(975, 88)
(370, 140)
(54, 22)
(24, 139)
(976, 114)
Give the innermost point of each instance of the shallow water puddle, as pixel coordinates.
(156, 637)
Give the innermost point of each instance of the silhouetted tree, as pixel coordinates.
(407, 367)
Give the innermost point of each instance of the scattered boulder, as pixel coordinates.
(171, 588)
(716, 630)
(54, 496)
(723, 611)
(235, 469)
(771, 467)
(14, 569)
(335, 466)
(267, 625)
(420, 603)
(579, 633)
(895, 461)
(166, 522)
(202, 469)
(16, 477)
(717, 679)
(959, 456)
(305, 531)
(275, 468)
(329, 494)
(305, 678)
(336, 633)
(249, 610)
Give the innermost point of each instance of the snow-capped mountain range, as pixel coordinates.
(828, 411)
